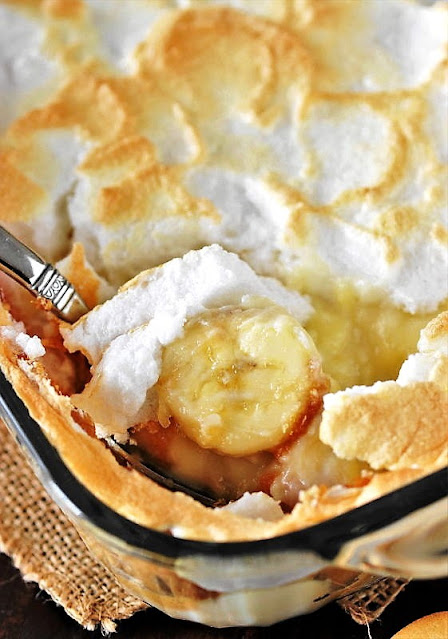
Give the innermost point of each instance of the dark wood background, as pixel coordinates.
(28, 613)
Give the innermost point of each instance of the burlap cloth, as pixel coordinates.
(46, 548)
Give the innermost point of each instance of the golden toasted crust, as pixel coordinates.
(63, 8)
(152, 193)
(20, 197)
(190, 46)
(85, 102)
(397, 221)
(54, 8)
(129, 154)
(319, 503)
(81, 275)
(396, 427)
(433, 626)
(437, 327)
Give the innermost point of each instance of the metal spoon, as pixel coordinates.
(44, 280)
(39, 277)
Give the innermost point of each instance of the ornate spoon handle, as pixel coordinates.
(39, 277)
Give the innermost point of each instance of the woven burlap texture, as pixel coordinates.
(46, 548)
(368, 604)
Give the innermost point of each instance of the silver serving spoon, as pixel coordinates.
(39, 277)
(44, 280)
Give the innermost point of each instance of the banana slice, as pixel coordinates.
(240, 380)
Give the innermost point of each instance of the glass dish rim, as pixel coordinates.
(325, 539)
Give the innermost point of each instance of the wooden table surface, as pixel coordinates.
(27, 613)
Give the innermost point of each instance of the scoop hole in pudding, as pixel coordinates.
(236, 391)
(169, 450)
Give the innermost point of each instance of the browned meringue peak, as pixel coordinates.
(44, 41)
(294, 176)
(91, 110)
(364, 46)
(76, 268)
(266, 61)
(122, 185)
(396, 424)
(357, 46)
(27, 75)
(364, 154)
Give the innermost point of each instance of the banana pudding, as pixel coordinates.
(251, 198)
(219, 145)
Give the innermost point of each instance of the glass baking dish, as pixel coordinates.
(403, 533)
